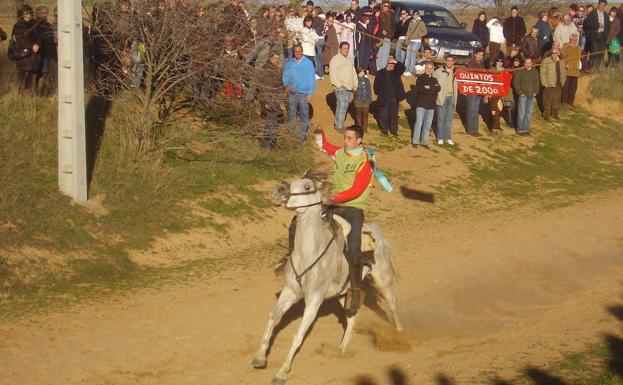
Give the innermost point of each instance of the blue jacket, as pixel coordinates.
(545, 33)
(301, 76)
(364, 91)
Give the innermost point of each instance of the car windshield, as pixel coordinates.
(439, 18)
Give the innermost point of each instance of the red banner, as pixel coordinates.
(478, 82)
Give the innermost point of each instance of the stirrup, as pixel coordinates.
(354, 300)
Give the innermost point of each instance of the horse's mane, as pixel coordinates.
(318, 173)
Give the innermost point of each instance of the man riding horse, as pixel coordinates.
(352, 180)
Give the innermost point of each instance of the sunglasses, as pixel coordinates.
(385, 6)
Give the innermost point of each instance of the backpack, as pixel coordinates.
(615, 46)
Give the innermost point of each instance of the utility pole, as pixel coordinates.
(72, 162)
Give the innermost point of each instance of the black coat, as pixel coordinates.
(481, 31)
(26, 35)
(514, 30)
(427, 97)
(388, 84)
(591, 25)
(402, 26)
(48, 45)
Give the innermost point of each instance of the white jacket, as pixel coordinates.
(496, 32)
(308, 37)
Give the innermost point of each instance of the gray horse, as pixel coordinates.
(317, 268)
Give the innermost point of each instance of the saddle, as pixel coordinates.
(368, 243)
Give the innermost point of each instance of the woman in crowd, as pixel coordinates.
(496, 38)
(26, 36)
(615, 30)
(480, 29)
(347, 34)
(308, 38)
(426, 89)
(553, 18)
(545, 32)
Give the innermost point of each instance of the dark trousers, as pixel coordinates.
(361, 115)
(364, 56)
(27, 79)
(388, 116)
(473, 111)
(569, 90)
(494, 52)
(495, 111)
(596, 44)
(354, 217)
(551, 101)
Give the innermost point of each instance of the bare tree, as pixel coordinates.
(501, 8)
(171, 59)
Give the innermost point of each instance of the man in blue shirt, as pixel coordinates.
(299, 79)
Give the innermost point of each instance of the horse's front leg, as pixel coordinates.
(286, 299)
(311, 310)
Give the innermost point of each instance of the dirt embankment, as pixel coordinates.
(480, 296)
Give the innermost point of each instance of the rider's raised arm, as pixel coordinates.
(324, 144)
(361, 183)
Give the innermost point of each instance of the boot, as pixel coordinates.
(355, 294)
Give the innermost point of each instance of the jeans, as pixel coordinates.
(444, 119)
(400, 53)
(298, 102)
(383, 55)
(473, 110)
(421, 128)
(318, 58)
(342, 96)
(411, 58)
(525, 106)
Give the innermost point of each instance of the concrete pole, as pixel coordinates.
(72, 162)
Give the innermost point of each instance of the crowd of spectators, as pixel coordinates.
(302, 46)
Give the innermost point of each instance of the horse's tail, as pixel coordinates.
(383, 251)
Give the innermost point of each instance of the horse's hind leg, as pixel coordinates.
(286, 299)
(311, 310)
(350, 326)
(387, 291)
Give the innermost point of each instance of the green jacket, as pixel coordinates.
(526, 82)
(548, 72)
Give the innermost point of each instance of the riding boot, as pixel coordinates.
(355, 294)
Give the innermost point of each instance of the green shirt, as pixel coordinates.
(345, 168)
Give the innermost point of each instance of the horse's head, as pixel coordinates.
(300, 193)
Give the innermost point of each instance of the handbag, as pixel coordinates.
(15, 52)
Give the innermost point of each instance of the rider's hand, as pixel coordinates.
(317, 129)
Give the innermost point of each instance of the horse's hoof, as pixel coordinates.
(278, 381)
(259, 363)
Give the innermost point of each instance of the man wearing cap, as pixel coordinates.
(553, 76)
(390, 92)
(596, 28)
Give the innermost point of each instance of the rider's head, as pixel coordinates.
(353, 136)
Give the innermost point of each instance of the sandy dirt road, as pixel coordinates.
(478, 297)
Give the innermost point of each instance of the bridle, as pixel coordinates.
(286, 186)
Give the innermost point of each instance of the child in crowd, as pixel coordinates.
(362, 99)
